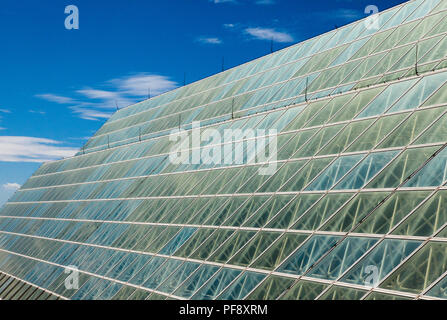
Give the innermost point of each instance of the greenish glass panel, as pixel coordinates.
(355, 211)
(343, 293)
(295, 143)
(308, 254)
(280, 250)
(178, 241)
(268, 211)
(391, 212)
(124, 293)
(401, 168)
(242, 286)
(334, 172)
(294, 210)
(271, 288)
(441, 6)
(226, 177)
(189, 212)
(194, 242)
(214, 287)
(318, 141)
(155, 296)
(143, 212)
(384, 296)
(341, 258)
(225, 211)
(387, 98)
(378, 263)
(438, 97)
(252, 185)
(439, 290)
(416, 274)
(436, 133)
(322, 211)
(180, 275)
(420, 92)
(434, 173)
(304, 290)
(304, 176)
(211, 244)
(411, 128)
(236, 182)
(437, 52)
(361, 71)
(427, 219)
(210, 178)
(147, 270)
(354, 106)
(162, 240)
(139, 294)
(208, 208)
(248, 209)
(335, 76)
(195, 281)
(366, 170)
(374, 134)
(399, 33)
(372, 43)
(442, 233)
(162, 273)
(231, 246)
(282, 176)
(335, 105)
(349, 133)
(254, 248)
(309, 111)
(142, 238)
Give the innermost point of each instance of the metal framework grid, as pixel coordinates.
(359, 189)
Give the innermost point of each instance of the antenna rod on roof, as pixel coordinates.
(271, 46)
(116, 104)
(223, 64)
(149, 93)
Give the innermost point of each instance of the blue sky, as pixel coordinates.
(58, 86)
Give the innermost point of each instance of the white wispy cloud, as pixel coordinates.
(37, 112)
(87, 113)
(99, 94)
(137, 85)
(32, 149)
(5, 111)
(99, 103)
(229, 25)
(269, 34)
(55, 98)
(211, 40)
(11, 186)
